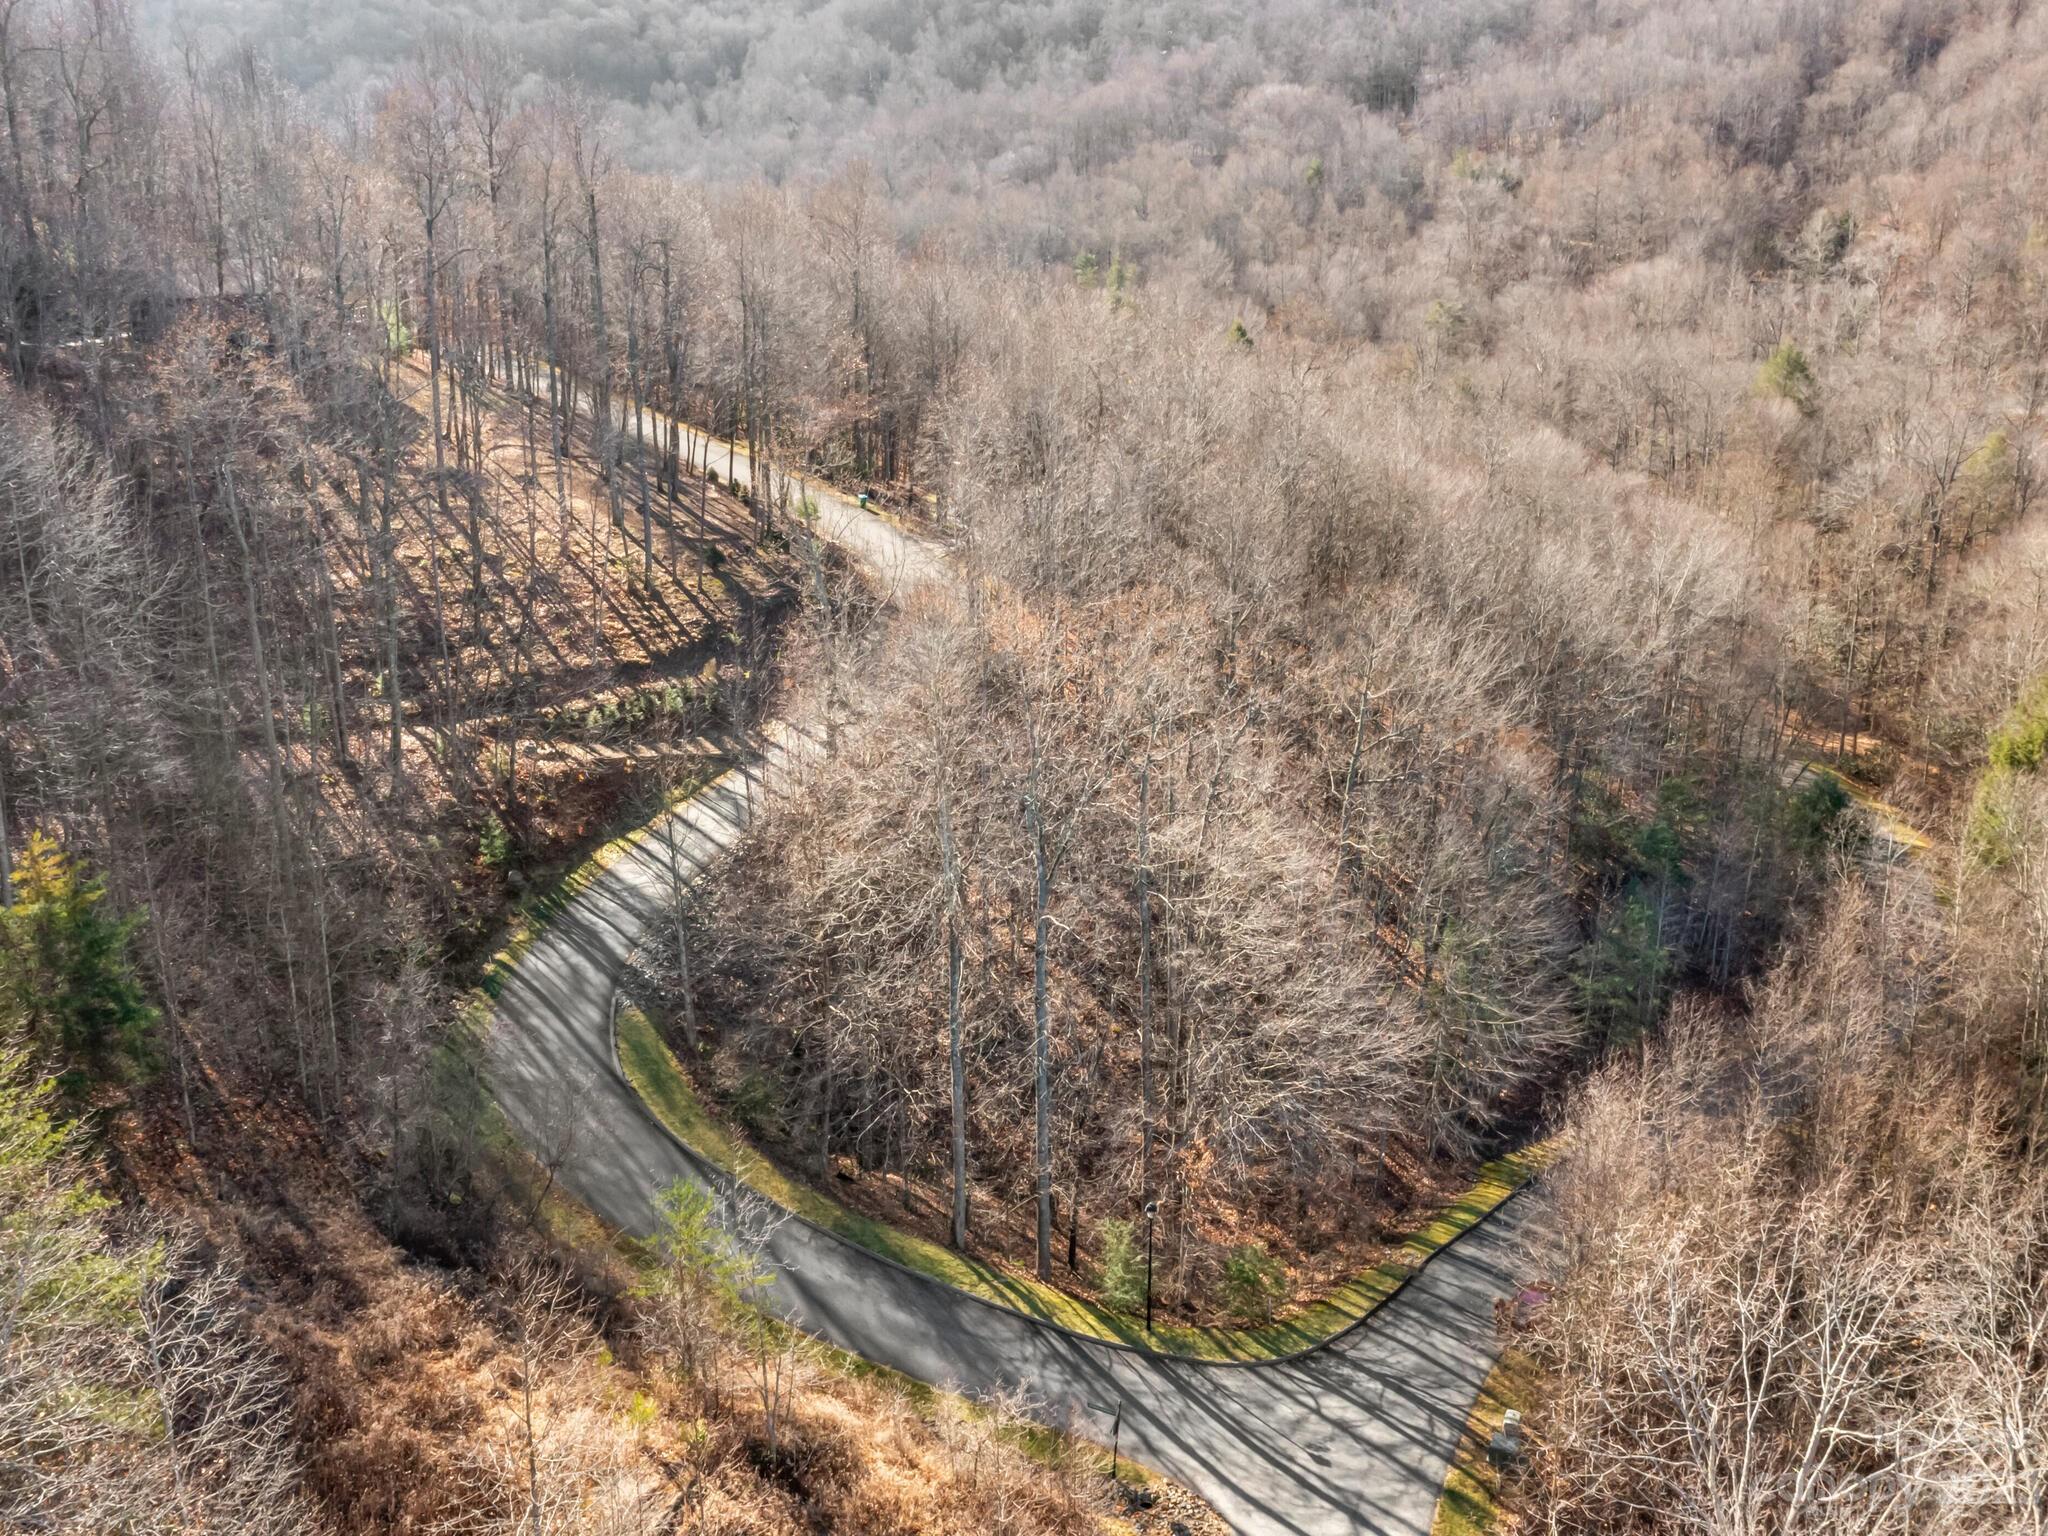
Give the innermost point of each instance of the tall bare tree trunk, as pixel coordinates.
(1041, 1017)
(956, 1051)
(1145, 979)
(387, 557)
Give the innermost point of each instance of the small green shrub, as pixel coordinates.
(1122, 1281)
(1989, 835)
(1825, 240)
(1836, 235)
(1814, 810)
(398, 339)
(1123, 276)
(2018, 747)
(1450, 324)
(1787, 375)
(757, 1104)
(494, 843)
(1991, 457)
(1254, 1284)
(2020, 744)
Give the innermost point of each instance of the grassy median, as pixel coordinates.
(662, 1085)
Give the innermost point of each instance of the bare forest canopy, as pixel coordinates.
(1428, 491)
(972, 93)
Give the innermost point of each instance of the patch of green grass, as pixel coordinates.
(1470, 1502)
(662, 1085)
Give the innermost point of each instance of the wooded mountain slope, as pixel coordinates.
(1427, 485)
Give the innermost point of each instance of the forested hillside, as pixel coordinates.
(335, 631)
(1449, 511)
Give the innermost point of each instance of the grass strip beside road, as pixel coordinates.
(1470, 1502)
(530, 919)
(666, 1090)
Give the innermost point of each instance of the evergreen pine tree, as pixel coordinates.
(65, 978)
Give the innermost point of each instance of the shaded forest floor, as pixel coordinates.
(581, 666)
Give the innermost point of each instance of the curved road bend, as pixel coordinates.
(1353, 1438)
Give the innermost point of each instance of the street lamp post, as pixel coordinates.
(1151, 1212)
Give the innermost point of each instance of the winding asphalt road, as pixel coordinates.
(1354, 1437)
